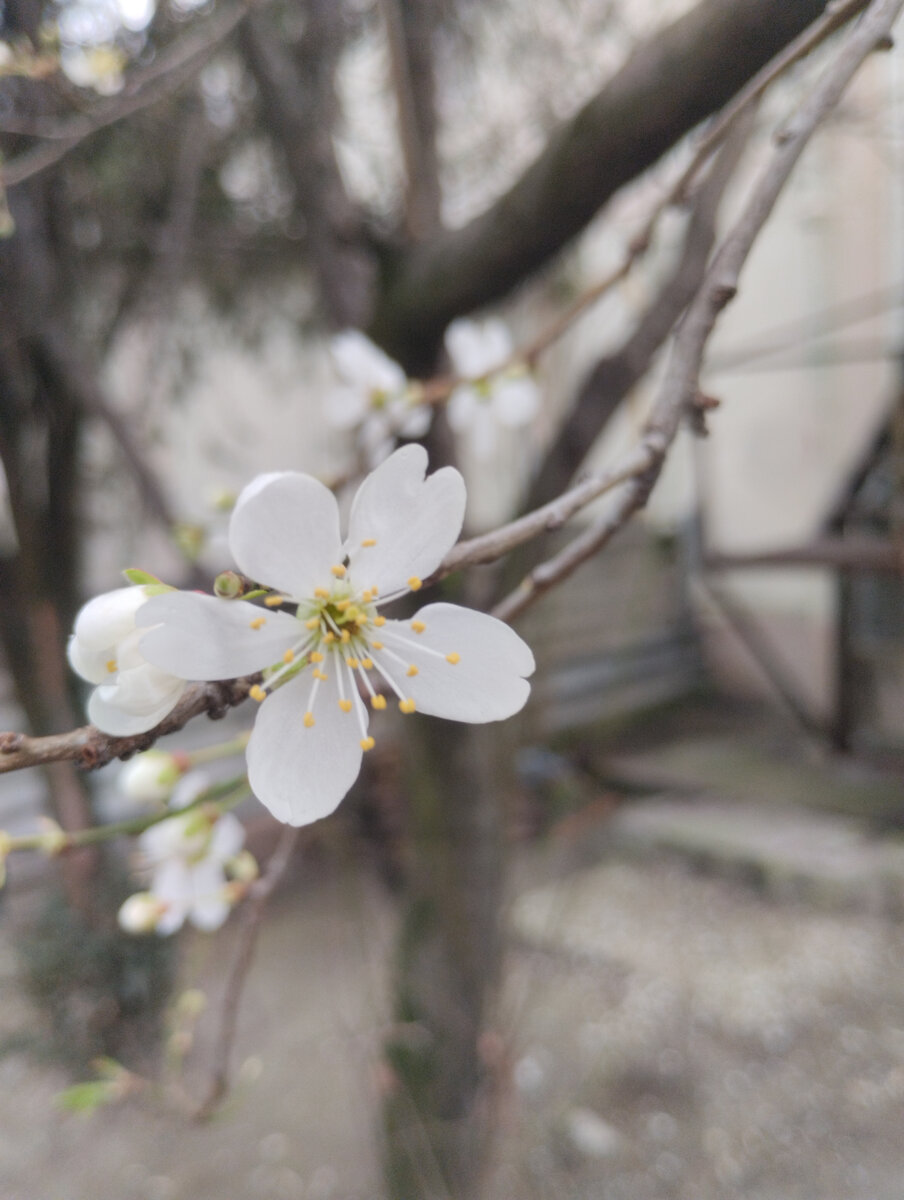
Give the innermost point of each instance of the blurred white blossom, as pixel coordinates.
(495, 391)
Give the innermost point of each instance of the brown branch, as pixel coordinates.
(631, 480)
(409, 31)
(679, 388)
(90, 748)
(259, 893)
(172, 68)
(298, 102)
(677, 78)
(613, 376)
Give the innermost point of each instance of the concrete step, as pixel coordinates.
(786, 851)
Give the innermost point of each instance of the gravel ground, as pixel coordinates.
(667, 1036)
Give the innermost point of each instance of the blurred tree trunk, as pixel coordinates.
(448, 962)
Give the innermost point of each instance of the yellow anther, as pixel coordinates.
(288, 656)
(453, 658)
(367, 664)
(378, 621)
(367, 596)
(319, 675)
(321, 593)
(338, 571)
(258, 622)
(308, 720)
(367, 743)
(345, 705)
(353, 663)
(376, 645)
(406, 706)
(315, 656)
(369, 542)
(111, 665)
(312, 623)
(418, 626)
(342, 605)
(415, 584)
(329, 636)
(257, 693)
(273, 601)
(412, 671)
(378, 701)
(345, 636)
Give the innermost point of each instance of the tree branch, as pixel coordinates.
(298, 101)
(613, 376)
(173, 68)
(91, 748)
(409, 30)
(259, 893)
(673, 81)
(720, 286)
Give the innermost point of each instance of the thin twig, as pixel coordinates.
(174, 67)
(91, 748)
(259, 893)
(438, 389)
(680, 386)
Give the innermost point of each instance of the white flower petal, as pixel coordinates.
(204, 637)
(344, 407)
(129, 705)
(414, 521)
(488, 683)
(462, 407)
(516, 401)
(172, 885)
(90, 664)
(363, 365)
(415, 420)
(477, 348)
(484, 432)
(302, 774)
(285, 533)
(209, 906)
(209, 911)
(107, 619)
(227, 839)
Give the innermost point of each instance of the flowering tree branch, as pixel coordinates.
(170, 70)
(673, 81)
(91, 748)
(630, 480)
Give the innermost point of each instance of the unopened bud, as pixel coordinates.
(228, 585)
(191, 1003)
(53, 839)
(243, 867)
(149, 778)
(140, 913)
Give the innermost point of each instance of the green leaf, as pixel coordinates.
(85, 1098)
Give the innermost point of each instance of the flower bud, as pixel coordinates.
(140, 913)
(243, 867)
(149, 778)
(228, 585)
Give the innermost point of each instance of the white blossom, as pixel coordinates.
(131, 696)
(330, 662)
(496, 392)
(149, 778)
(373, 396)
(187, 856)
